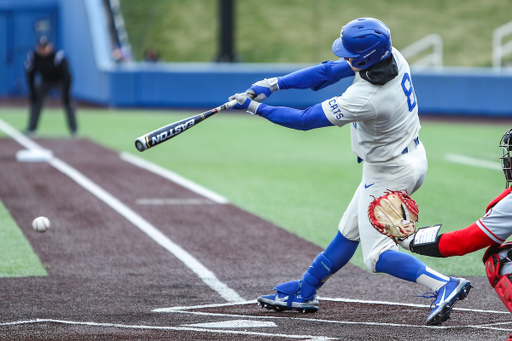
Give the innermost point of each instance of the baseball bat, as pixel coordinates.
(169, 131)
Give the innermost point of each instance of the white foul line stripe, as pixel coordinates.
(345, 300)
(364, 323)
(178, 179)
(196, 329)
(214, 305)
(349, 300)
(180, 310)
(190, 261)
(19, 137)
(173, 201)
(308, 337)
(466, 160)
(206, 275)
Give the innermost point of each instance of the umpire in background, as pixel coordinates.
(47, 69)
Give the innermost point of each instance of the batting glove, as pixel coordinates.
(263, 89)
(245, 103)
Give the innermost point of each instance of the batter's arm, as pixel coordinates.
(315, 77)
(310, 118)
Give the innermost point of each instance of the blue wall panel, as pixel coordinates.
(21, 22)
(469, 92)
(208, 85)
(5, 70)
(122, 89)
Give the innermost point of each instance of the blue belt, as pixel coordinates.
(416, 142)
(405, 151)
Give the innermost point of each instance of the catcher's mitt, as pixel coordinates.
(394, 214)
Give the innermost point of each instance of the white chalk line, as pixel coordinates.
(186, 310)
(495, 326)
(176, 178)
(173, 201)
(363, 323)
(19, 137)
(181, 310)
(213, 305)
(190, 261)
(192, 329)
(349, 300)
(470, 161)
(344, 300)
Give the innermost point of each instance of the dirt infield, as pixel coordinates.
(109, 280)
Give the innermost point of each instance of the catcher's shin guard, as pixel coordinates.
(498, 265)
(504, 291)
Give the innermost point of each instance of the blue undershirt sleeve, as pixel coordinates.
(310, 118)
(316, 77)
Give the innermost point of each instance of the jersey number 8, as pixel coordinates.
(409, 91)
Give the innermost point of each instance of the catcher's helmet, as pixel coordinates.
(367, 40)
(506, 162)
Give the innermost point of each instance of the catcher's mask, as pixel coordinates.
(506, 162)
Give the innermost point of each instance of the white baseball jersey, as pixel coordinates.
(384, 117)
(384, 130)
(497, 222)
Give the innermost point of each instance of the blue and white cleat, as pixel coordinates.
(445, 298)
(281, 302)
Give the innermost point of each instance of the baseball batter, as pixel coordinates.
(489, 231)
(381, 109)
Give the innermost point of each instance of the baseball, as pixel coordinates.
(41, 224)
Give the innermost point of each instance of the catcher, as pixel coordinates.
(489, 231)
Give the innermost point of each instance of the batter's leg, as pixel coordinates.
(301, 295)
(446, 290)
(336, 255)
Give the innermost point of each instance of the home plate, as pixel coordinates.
(233, 324)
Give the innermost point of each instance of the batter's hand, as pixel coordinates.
(245, 103)
(261, 90)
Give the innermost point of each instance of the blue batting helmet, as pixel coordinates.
(367, 40)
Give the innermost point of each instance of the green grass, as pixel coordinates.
(302, 31)
(17, 259)
(301, 181)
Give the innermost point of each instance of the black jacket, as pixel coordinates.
(52, 68)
